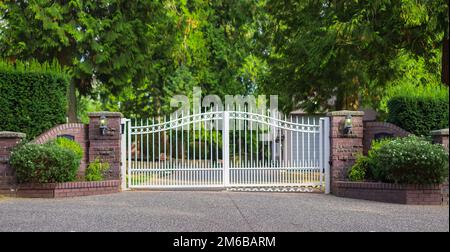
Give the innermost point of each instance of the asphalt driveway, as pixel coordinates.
(216, 211)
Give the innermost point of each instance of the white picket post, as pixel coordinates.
(128, 123)
(123, 149)
(225, 148)
(326, 150)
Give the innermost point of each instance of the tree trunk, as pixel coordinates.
(72, 102)
(65, 59)
(348, 96)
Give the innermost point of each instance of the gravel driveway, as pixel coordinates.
(216, 211)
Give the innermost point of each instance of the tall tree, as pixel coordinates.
(110, 41)
(340, 50)
(211, 45)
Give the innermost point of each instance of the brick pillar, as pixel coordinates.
(106, 147)
(344, 148)
(440, 137)
(8, 140)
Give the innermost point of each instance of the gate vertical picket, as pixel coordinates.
(225, 147)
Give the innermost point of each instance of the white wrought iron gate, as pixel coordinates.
(226, 149)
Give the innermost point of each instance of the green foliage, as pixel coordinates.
(364, 166)
(376, 145)
(135, 55)
(32, 97)
(358, 171)
(85, 106)
(140, 52)
(413, 79)
(70, 145)
(419, 115)
(411, 160)
(33, 66)
(372, 155)
(95, 170)
(344, 50)
(48, 163)
(118, 42)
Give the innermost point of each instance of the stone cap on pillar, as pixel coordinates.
(346, 113)
(106, 114)
(10, 134)
(441, 132)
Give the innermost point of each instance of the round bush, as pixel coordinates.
(48, 163)
(71, 145)
(410, 160)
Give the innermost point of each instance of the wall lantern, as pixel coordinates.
(103, 125)
(348, 125)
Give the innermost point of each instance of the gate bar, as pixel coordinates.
(226, 148)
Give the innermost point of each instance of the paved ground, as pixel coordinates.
(216, 211)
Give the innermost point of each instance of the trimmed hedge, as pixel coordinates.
(419, 115)
(47, 163)
(33, 97)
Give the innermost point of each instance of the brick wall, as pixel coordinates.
(8, 140)
(344, 148)
(78, 131)
(391, 193)
(374, 129)
(69, 189)
(440, 137)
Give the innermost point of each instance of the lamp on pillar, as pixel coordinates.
(348, 124)
(103, 125)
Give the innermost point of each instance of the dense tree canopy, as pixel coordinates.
(343, 50)
(112, 42)
(134, 56)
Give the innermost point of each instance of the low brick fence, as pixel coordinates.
(106, 147)
(62, 190)
(392, 193)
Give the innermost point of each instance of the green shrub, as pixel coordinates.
(363, 167)
(47, 163)
(419, 115)
(410, 160)
(32, 97)
(70, 145)
(95, 170)
(359, 170)
(372, 155)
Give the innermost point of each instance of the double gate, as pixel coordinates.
(226, 149)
